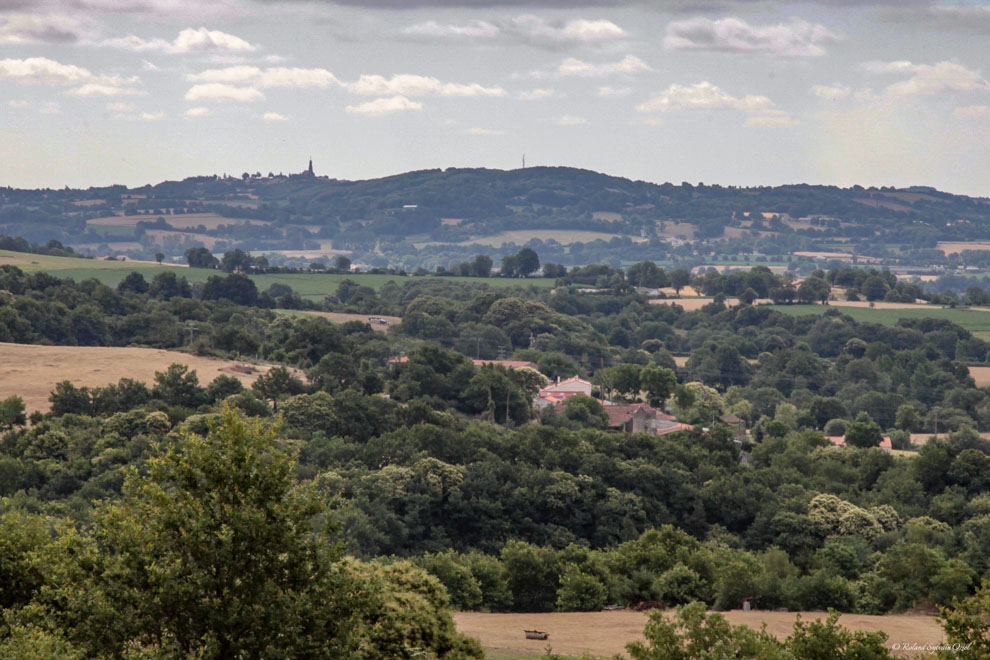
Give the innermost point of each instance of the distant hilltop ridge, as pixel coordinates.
(439, 217)
(536, 174)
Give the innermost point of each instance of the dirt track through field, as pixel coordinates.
(31, 371)
(603, 634)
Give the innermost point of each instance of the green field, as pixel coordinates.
(976, 322)
(308, 285)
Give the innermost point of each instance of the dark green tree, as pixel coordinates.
(679, 279)
(277, 384)
(133, 283)
(527, 261)
(863, 432)
(200, 257)
(213, 554)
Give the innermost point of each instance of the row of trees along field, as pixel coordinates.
(510, 510)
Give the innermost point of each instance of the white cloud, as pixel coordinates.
(483, 131)
(575, 67)
(528, 29)
(119, 107)
(384, 106)
(43, 70)
(759, 109)
(273, 116)
(189, 40)
(796, 38)
(614, 91)
(535, 94)
(539, 31)
(151, 116)
(570, 120)
(102, 89)
(830, 92)
(470, 30)
(928, 78)
(413, 85)
(17, 103)
(701, 96)
(270, 77)
(51, 108)
(583, 30)
(971, 112)
(221, 92)
(20, 29)
(50, 72)
(198, 111)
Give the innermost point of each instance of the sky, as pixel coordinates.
(730, 92)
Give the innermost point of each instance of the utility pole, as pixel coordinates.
(508, 393)
(191, 328)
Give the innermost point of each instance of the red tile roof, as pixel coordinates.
(621, 414)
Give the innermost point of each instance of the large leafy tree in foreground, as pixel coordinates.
(213, 553)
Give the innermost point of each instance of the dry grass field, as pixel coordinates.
(683, 230)
(344, 318)
(31, 371)
(14, 261)
(113, 246)
(694, 304)
(887, 204)
(603, 634)
(160, 235)
(981, 375)
(955, 247)
(688, 291)
(608, 216)
(183, 221)
(562, 236)
(304, 254)
(881, 305)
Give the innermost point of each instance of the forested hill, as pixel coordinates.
(438, 217)
(502, 196)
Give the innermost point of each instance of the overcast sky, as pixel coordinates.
(734, 92)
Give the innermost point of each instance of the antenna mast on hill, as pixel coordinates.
(524, 161)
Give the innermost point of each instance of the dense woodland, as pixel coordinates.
(436, 467)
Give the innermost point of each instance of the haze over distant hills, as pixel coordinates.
(436, 216)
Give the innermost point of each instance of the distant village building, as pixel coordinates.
(662, 426)
(632, 418)
(307, 174)
(561, 391)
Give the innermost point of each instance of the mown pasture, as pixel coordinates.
(313, 286)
